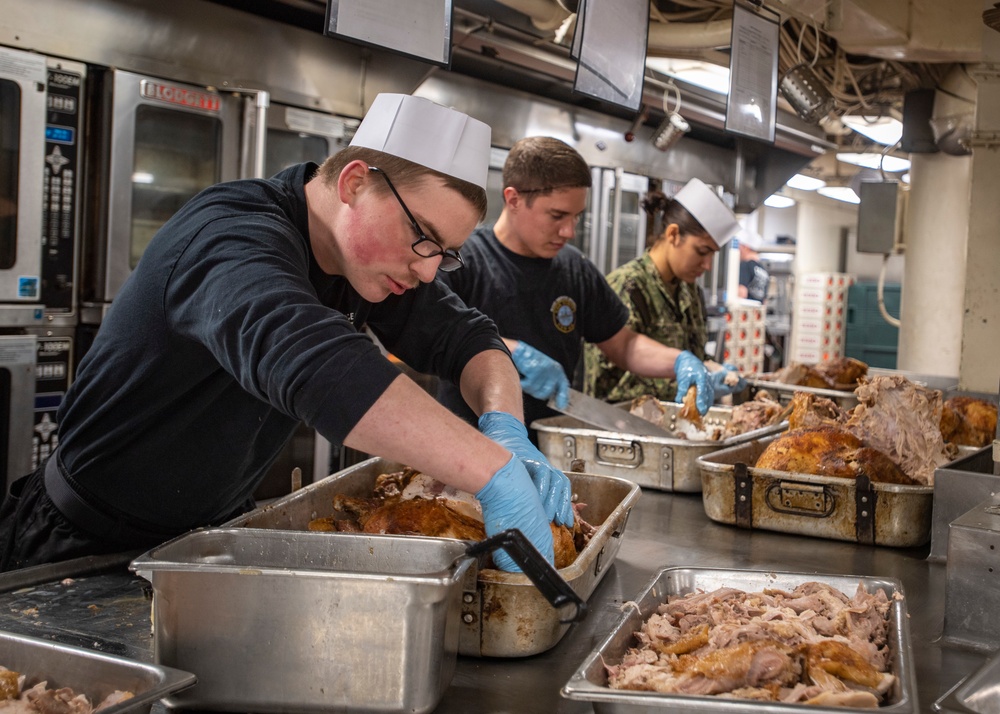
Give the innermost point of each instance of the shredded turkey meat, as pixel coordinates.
(902, 420)
(812, 645)
(42, 699)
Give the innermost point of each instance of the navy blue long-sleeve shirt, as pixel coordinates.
(227, 335)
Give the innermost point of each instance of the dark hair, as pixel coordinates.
(539, 165)
(664, 211)
(401, 171)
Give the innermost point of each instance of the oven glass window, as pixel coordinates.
(10, 135)
(287, 148)
(177, 154)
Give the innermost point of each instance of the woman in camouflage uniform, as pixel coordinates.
(660, 292)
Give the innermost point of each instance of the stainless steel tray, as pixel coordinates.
(663, 463)
(506, 616)
(959, 486)
(846, 399)
(979, 693)
(94, 674)
(299, 622)
(736, 493)
(590, 681)
(971, 596)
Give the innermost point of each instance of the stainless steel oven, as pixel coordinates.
(156, 144)
(41, 132)
(22, 143)
(17, 395)
(295, 135)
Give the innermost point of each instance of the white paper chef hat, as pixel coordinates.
(428, 134)
(709, 210)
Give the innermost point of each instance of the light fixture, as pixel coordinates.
(806, 93)
(884, 130)
(905, 178)
(805, 183)
(841, 193)
(142, 177)
(673, 126)
(777, 201)
(875, 161)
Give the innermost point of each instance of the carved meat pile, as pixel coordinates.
(842, 373)
(763, 410)
(41, 698)
(966, 421)
(813, 645)
(892, 435)
(408, 502)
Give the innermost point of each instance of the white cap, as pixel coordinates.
(428, 134)
(709, 210)
(750, 239)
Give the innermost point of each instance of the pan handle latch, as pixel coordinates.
(618, 452)
(542, 574)
(800, 499)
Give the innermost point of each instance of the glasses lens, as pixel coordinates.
(449, 263)
(426, 248)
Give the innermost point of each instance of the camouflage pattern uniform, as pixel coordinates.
(678, 322)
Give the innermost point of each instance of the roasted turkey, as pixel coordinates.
(843, 373)
(966, 421)
(830, 451)
(408, 502)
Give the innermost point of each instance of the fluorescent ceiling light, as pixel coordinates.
(142, 177)
(873, 161)
(702, 74)
(841, 193)
(776, 201)
(805, 183)
(884, 130)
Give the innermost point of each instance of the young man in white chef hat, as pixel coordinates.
(546, 297)
(245, 316)
(664, 302)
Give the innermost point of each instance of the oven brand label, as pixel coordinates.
(180, 96)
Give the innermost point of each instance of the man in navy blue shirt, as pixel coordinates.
(244, 317)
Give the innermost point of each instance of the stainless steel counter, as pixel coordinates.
(109, 612)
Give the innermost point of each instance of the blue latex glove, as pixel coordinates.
(691, 370)
(552, 485)
(719, 383)
(509, 501)
(541, 376)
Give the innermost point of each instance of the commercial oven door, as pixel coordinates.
(167, 142)
(295, 135)
(17, 396)
(22, 146)
(616, 220)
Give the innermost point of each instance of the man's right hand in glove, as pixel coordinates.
(509, 500)
(691, 370)
(541, 376)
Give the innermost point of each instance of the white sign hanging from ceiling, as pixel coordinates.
(417, 28)
(610, 47)
(753, 73)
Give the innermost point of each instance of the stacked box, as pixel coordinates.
(743, 339)
(819, 317)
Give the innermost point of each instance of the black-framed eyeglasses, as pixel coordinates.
(424, 246)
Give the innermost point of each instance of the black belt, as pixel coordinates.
(86, 517)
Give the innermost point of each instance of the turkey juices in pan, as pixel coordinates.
(408, 502)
